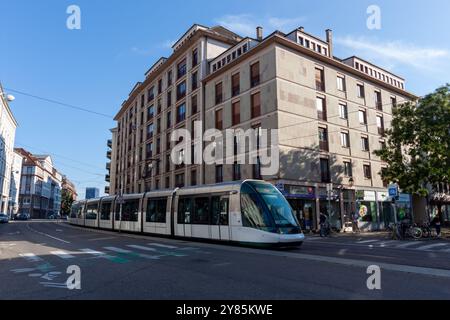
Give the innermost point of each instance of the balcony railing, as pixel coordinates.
(107, 190)
(108, 166)
(109, 155)
(323, 145)
(109, 143)
(107, 178)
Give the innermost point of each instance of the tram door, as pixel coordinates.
(220, 229)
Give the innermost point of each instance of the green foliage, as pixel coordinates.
(418, 143)
(66, 202)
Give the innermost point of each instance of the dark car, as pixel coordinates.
(21, 217)
(4, 218)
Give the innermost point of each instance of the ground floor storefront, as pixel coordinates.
(374, 208)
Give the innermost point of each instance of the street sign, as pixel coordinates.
(393, 190)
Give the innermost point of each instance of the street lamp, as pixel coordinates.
(8, 97)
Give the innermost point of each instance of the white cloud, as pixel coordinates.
(245, 24)
(393, 53)
(140, 51)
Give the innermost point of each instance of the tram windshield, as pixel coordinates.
(264, 207)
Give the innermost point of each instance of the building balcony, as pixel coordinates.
(109, 143)
(108, 166)
(109, 154)
(107, 190)
(107, 178)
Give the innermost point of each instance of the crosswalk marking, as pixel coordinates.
(30, 257)
(118, 250)
(432, 246)
(367, 241)
(406, 245)
(62, 254)
(141, 247)
(93, 252)
(132, 254)
(162, 245)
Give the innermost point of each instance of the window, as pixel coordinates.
(179, 180)
(181, 69)
(106, 211)
(360, 91)
(321, 109)
(343, 111)
(201, 211)
(184, 210)
(341, 83)
(364, 143)
(380, 125)
(169, 119)
(378, 101)
(320, 82)
(194, 81)
(158, 126)
(236, 171)
(362, 117)
(150, 94)
(236, 113)
(181, 112)
(219, 174)
(325, 170)
(149, 150)
(323, 139)
(394, 102)
(156, 210)
(167, 182)
(150, 112)
(254, 74)
(220, 212)
(235, 85)
(348, 171)
(92, 211)
(193, 178)
(194, 57)
(169, 98)
(181, 90)
(130, 211)
(367, 171)
(256, 105)
(169, 78)
(383, 173)
(194, 105)
(345, 140)
(219, 119)
(219, 96)
(150, 130)
(159, 86)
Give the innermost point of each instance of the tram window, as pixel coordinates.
(156, 211)
(254, 215)
(106, 211)
(80, 212)
(219, 212)
(201, 211)
(130, 211)
(74, 211)
(91, 211)
(184, 211)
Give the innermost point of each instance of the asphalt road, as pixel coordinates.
(35, 256)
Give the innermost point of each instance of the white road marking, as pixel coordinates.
(30, 257)
(141, 247)
(93, 252)
(407, 244)
(432, 246)
(162, 245)
(62, 254)
(45, 234)
(118, 250)
(102, 239)
(367, 241)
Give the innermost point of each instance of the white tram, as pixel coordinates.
(249, 212)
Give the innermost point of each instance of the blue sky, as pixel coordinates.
(97, 66)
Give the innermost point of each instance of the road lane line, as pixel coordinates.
(93, 252)
(31, 257)
(162, 245)
(141, 248)
(45, 234)
(62, 254)
(407, 244)
(432, 246)
(367, 241)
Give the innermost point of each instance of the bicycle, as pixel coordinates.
(409, 230)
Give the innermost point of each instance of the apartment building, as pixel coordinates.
(40, 186)
(330, 113)
(8, 125)
(69, 187)
(16, 173)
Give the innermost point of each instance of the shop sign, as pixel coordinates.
(301, 192)
(366, 195)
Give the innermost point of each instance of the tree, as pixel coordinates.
(66, 202)
(418, 143)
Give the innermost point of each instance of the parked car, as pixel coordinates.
(54, 216)
(21, 217)
(4, 218)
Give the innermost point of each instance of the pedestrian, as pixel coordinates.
(437, 224)
(324, 229)
(355, 222)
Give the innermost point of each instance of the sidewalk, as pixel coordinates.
(445, 235)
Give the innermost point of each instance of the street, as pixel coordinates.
(35, 256)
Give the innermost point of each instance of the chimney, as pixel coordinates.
(259, 33)
(330, 42)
